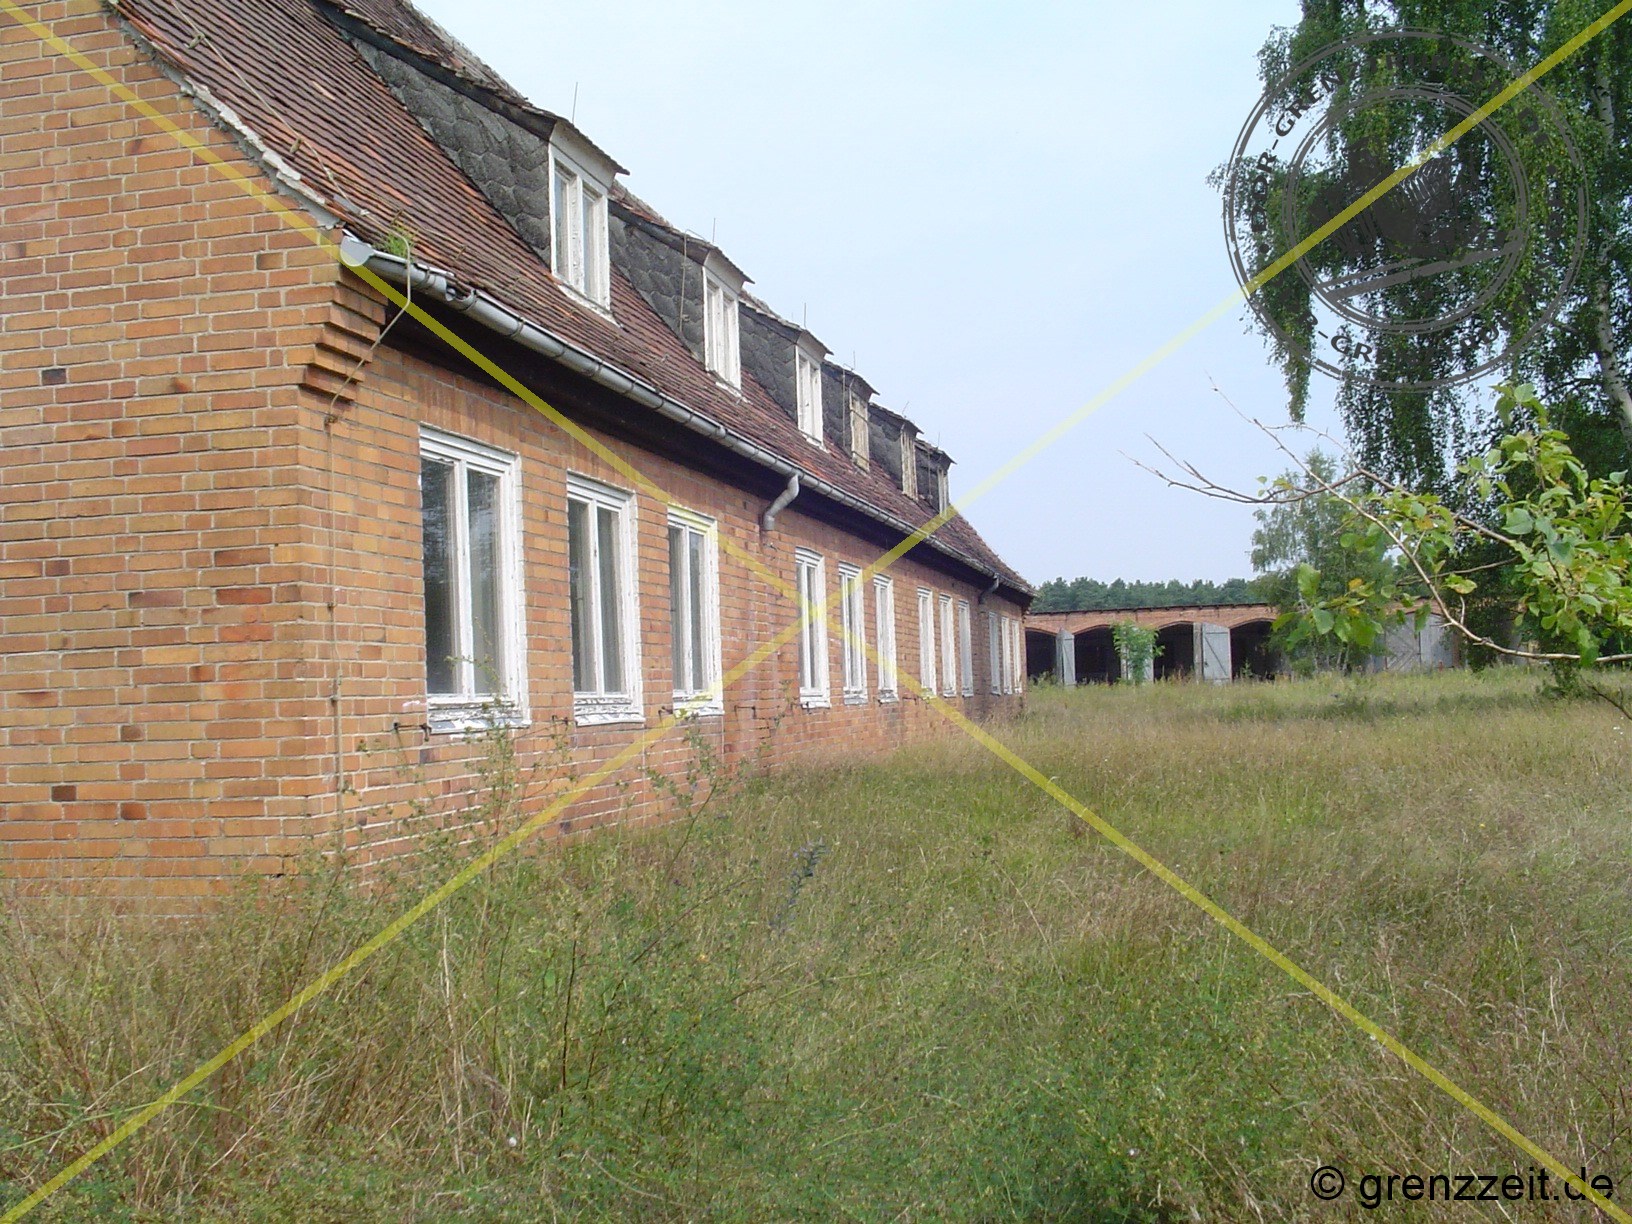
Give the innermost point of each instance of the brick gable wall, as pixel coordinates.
(164, 331)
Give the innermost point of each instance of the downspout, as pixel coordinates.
(356, 253)
(988, 592)
(768, 519)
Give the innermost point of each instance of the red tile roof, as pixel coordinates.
(296, 81)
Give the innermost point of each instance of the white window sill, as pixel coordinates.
(968, 693)
(595, 710)
(814, 439)
(888, 697)
(583, 299)
(856, 697)
(816, 701)
(454, 716)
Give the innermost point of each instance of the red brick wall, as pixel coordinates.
(191, 480)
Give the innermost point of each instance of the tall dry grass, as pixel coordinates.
(905, 989)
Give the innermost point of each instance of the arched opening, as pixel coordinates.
(1042, 655)
(1176, 654)
(1096, 657)
(1254, 657)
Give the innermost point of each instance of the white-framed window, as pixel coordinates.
(810, 573)
(601, 598)
(1008, 655)
(909, 463)
(807, 390)
(966, 650)
(926, 642)
(943, 491)
(1017, 656)
(997, 646)
(853, 633)
(694, 612)
(884, 617)
(860, 442)
(471, 551)
(578, 239)
(721, 345)
(949, 649)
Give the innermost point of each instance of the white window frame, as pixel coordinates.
(722, 339)
(852, 634)
(709, 699)
(598, 707)
(466, 709)
(1017, 670)
(943, 489)
(997, 645)
(909, 463)
(584, 267)
(949, 649)
(1011, 673)
(807, 393)
(927, 643)
(860, 430)
(815, 685)
(884, 618)
(966, 650)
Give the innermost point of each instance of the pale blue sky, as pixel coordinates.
(993, 210)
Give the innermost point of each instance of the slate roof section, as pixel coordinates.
(301, 85)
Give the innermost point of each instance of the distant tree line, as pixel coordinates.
(1092, 595)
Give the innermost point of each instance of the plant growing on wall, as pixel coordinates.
(1136, 648)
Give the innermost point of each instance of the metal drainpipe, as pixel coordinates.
(984, 595)
(356, 253)
(768, 519)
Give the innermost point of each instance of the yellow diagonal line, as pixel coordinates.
(1281, 961)
(253, 182)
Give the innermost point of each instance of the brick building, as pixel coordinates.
(271, 548)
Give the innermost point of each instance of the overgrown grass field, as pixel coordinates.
(910, 989)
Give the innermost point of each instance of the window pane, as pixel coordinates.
(487, 644)
(678, 635)
(807, 654)
(436, 493)
(713, 324)
(578, 595)
(694, 570)
(564, 210)
(611, 600)
(589, 233)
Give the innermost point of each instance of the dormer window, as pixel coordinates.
(859, 449)
(807, 389)
(909, 463)
(578, 242)
(720, 343)
(943, 496)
